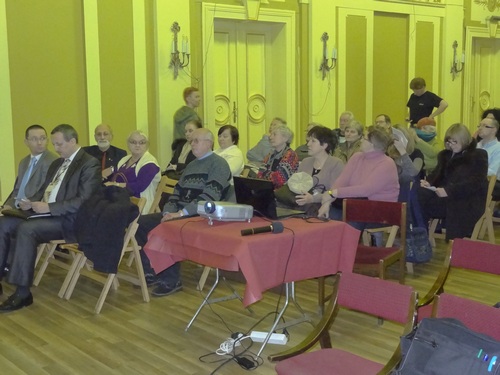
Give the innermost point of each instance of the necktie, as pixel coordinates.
(56, 180)
(21, 194)
(103, 161)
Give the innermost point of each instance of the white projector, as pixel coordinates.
(224, 211)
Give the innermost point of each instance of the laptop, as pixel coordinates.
(260, 195)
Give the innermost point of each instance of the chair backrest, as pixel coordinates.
(381, 298)
(379, 212)
(474, 315)
(166, 186)
(367, 211)
(476, 255)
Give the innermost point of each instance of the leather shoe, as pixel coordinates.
(14, 302)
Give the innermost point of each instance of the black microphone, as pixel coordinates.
(275, 227)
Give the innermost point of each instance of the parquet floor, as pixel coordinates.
(54, 336)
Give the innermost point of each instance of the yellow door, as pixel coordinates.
(485, 92)
(248, 80)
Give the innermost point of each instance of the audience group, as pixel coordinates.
(378, 162)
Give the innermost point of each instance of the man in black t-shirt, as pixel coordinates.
(422, 102)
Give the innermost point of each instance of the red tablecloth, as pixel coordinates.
(303, 251)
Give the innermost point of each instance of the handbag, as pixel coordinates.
(418, 246)
(444, 346)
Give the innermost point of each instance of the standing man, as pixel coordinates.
(33, 168)
(487, 130)
(108, 155)
(422, 102)
(207, 178)
(71, 179)
(187, 112)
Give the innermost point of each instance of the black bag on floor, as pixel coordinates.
(444, 346)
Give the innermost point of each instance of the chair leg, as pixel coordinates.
(409, 268)
(140, 275)
(72, 278)
(321, 294)
(203, 278)
(51, 248)
(104, 293)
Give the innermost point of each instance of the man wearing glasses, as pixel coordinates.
(33, 168)
(205, 179)
(487, 130)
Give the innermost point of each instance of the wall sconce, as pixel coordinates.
(454, 66)
(493, 24)
(325, 66)
(175, 61)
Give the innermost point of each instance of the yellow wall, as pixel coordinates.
(46, 60)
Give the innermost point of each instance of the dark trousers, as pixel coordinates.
(22, 238)
(172, 274)
(432, 206)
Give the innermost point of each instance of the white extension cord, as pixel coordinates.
(228, 346)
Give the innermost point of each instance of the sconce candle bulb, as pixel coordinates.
(455, 69)
(175, 60)
(326, 66)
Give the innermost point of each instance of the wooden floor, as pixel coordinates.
(54, 336)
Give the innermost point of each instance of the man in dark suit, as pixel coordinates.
(33, 168)
(108, 155)
(70, 181)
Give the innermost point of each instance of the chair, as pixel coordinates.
(392, 214)
(81, 265)
(166, 186)
(484, 223)
(474, 315)
(466, 254)
(380, 298)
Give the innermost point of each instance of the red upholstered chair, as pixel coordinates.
(380, 298)
(474, 315)
(390, 214)
(476, 256)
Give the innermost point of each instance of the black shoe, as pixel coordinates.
(151, 279)
(14, 302)
(166, 289)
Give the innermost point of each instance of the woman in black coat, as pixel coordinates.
(456, 190)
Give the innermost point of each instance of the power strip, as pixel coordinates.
(276, 338)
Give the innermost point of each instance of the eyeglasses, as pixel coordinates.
(36, 139)
(451, 142)
(135, 143)
(485, 126)
(196, 140)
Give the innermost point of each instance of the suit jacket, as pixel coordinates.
(37, 177)
(81, 181)
(113, 155)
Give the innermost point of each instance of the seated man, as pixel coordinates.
(33, 168)
(385, 121)
(108, 155)
(205, 178)
(70, 181)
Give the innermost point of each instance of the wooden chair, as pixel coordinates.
(166, 186)
(474, 315)
(485, 222)
(380, 298)
(129, 245)
(390, 214)
(475, 256)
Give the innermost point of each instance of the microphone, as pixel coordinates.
(275, 227)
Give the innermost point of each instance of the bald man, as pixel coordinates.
(108, 155)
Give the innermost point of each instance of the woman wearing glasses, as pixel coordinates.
(456, 190)
(138, 172)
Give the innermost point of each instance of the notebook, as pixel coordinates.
(260, 195)
(21, 214)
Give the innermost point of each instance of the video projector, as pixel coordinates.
(224, 211)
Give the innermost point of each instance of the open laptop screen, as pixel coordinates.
(257, 193)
